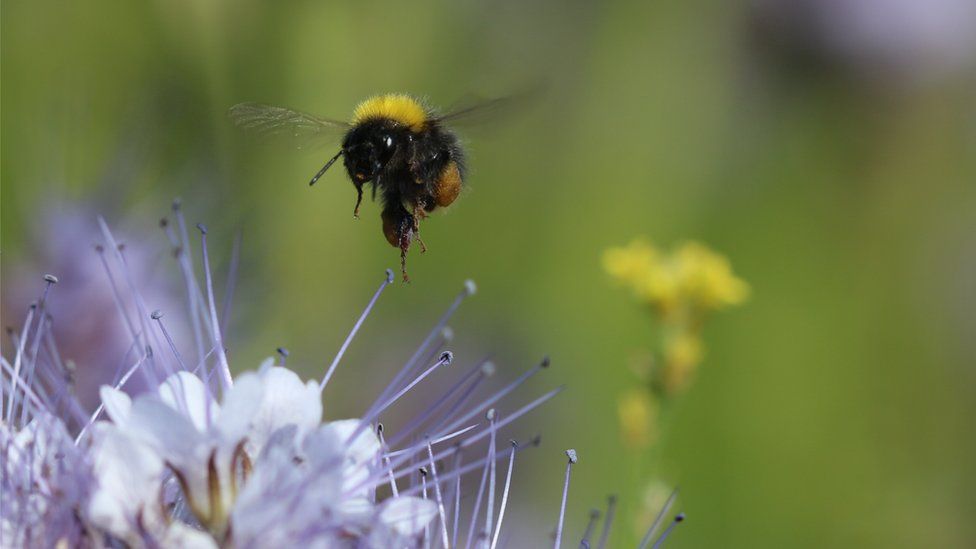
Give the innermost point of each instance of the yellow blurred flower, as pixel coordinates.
(706, 278)
(681, 287)
(638, 418)
(683, 352)
(692, 276)
(629, 264)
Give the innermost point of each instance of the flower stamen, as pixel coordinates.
(571, 454)
(387, 280)
(608, 521)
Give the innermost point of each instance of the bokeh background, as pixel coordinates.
(827, 147)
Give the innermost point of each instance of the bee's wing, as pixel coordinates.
(476, 112)
(282, 123)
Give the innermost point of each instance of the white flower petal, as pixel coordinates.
(286, 401)
(265, 364)
(364, 449)
(186, 537)
(128, 474)
(406, 516)
(356, 510)
(361, 454)
(239, 407)
(117, 404)
(185, 392)
(290, 488)
(171, 433)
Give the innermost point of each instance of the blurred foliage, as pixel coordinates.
(837, 407)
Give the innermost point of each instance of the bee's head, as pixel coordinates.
(368, 148)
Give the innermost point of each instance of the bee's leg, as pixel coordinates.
(406, 235)
(419, 213)
(359, 199)
(403, 264)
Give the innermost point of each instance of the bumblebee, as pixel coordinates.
(395, 144)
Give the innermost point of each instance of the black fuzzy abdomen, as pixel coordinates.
(408, 185)
(434, 149)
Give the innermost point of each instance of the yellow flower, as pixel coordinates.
(632, 263)
(683, 352)
(706, 278)
(638, 418)
(692, 276)
(681, 287)
(640, 266)
(661, 287)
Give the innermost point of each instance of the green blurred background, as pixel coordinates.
(826, 147)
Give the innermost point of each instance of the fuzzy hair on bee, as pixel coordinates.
(393, 143)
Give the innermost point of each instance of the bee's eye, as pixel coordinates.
(388, 141)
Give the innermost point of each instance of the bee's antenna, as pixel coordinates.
(326, 167)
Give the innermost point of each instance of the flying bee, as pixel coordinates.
(393, 143)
